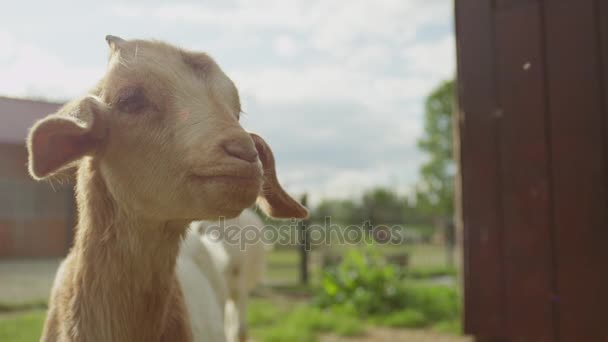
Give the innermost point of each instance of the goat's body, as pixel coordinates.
(242, 268)
(204, 290)
(248, 263)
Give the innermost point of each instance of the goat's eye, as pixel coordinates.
(132, 100)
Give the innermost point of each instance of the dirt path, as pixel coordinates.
(23, 281)
(401, 335)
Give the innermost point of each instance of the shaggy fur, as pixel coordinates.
(157, 144)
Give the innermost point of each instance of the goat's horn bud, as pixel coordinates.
(114, 42)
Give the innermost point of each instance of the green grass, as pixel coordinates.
(407, 318)
(453, 327)
(428, 307)
(282, 275)
(435, 307)
(296, 320)
(437, 303)
(425, 272)
(285, 321)
(262, 312)
(426, 255)
(297, 290)
(287, 257)
(25, 327)
(283, 266)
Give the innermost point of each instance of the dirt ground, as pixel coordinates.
(401, 335)
(28, 280)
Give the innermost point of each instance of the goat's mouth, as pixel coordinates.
(227, 179)
(251, 176)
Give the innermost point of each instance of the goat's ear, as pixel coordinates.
(273, 200)
(61, 139)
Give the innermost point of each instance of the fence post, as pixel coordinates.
(304, 244)
(450, 241)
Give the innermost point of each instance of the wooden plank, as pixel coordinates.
(483, 280)
(579, 169)
(602, 21)
(524, 172)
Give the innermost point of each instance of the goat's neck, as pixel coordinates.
(125, 283)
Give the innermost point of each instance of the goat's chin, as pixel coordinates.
(225, 197)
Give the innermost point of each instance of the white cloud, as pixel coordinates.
(336, 86)
(369, 52)
(329, 25)
(30, 71)
(331, 83)
(285, 46)
(245, 15)
(436, 58)
(372, 57)
(346, 183)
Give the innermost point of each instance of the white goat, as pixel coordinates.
(199, 278)
(242, 261)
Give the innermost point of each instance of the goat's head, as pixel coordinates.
(162, 128)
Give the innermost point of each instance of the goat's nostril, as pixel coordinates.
(241, 150)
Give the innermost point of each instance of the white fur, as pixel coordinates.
(242, 269)
(203, 288)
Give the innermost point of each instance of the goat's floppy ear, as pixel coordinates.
(57, 141)
(273, 200)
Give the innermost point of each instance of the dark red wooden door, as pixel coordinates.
(534, 157)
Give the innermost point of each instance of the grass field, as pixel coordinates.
(21, 327)
(282, 311)
(276, 319)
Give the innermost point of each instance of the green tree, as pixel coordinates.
(378, 205)
(383, 206)
(435, 189)
(341, 211)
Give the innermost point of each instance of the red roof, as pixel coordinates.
(18, 115)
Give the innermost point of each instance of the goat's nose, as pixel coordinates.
(241, 148)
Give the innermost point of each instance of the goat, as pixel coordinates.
(157, 144)
(241, 264)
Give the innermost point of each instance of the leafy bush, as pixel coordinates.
(362, 283)
(365, 286)
(435, 302)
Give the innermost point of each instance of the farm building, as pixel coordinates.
(533, 81)
(36, 219)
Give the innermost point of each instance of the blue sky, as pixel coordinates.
(336, 87)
